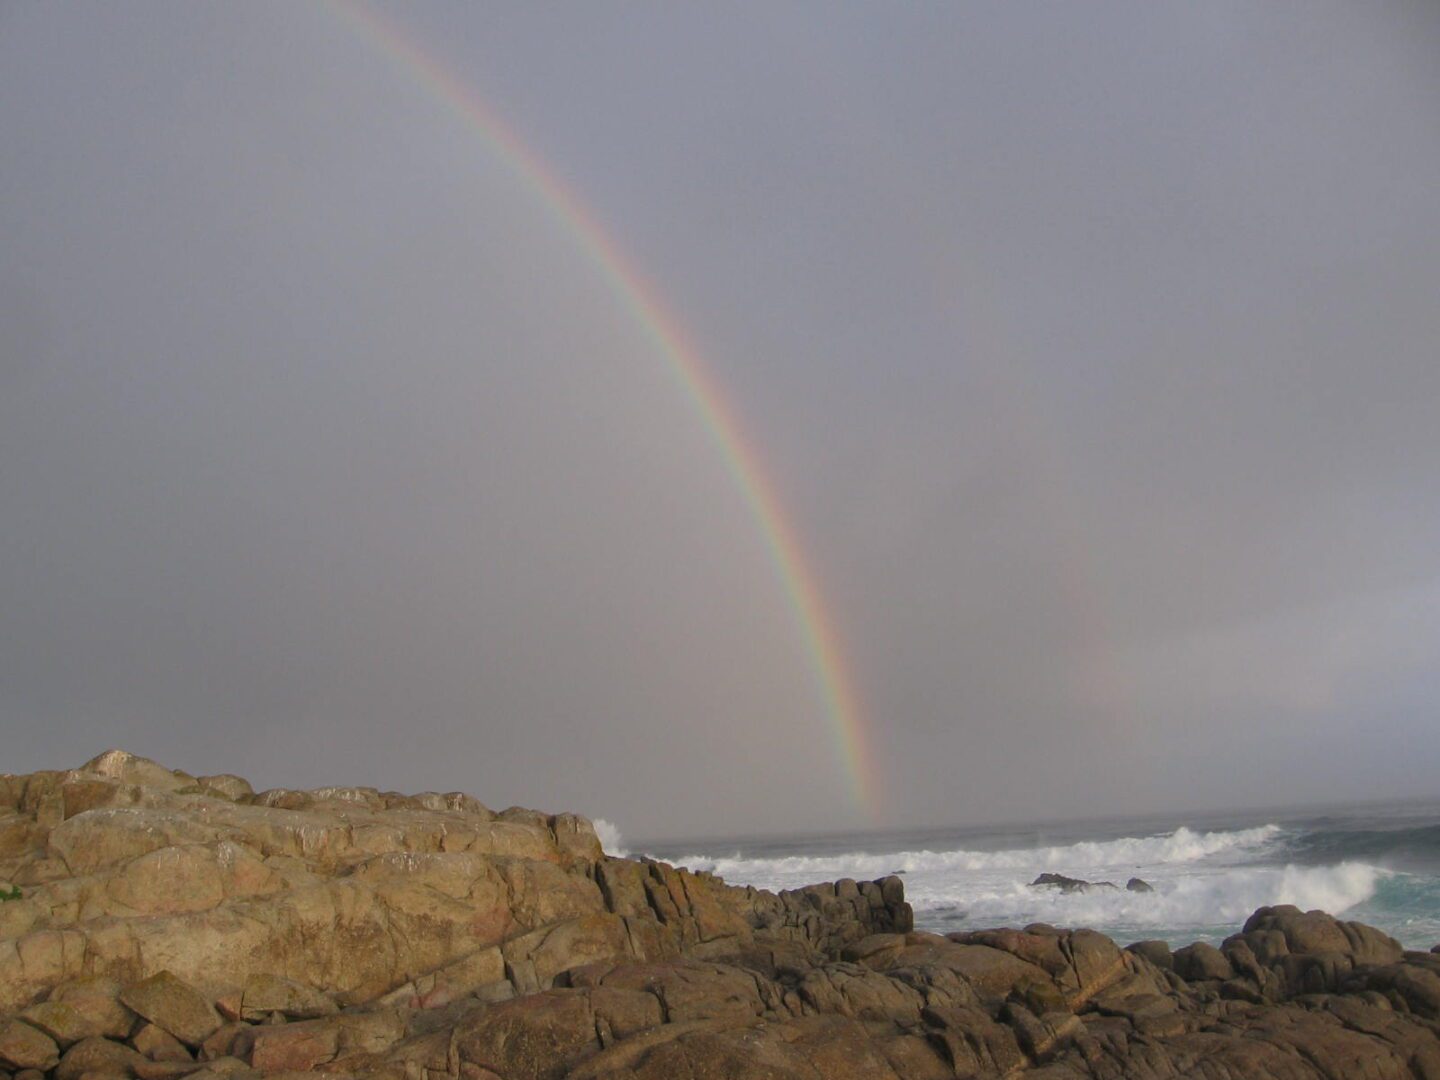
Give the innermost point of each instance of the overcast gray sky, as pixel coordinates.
(1094, 350)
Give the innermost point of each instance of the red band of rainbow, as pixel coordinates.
(801, 588)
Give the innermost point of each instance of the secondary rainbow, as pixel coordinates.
(836, 688)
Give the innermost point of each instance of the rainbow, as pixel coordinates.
(631, 290)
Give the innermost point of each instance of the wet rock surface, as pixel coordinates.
(1065, 884)
(171, 926)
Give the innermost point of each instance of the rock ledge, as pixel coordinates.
(169, 926)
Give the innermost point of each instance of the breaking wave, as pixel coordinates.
(1181, 846)
(1194, 900)
(1377, 863)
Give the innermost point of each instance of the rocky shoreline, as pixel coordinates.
(157, 925)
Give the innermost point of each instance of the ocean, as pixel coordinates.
(1377, 863)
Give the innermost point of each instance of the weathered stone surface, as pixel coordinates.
(170, 1069)
(225, 785)
(872, 948)
(221, 1042)
(1041, 1038)
(98, 1056)
(266, 994)
(96, 1008)
(62, 1022)
(170, 1004)
(230, 1067)
(128, 768)
(1306, 932)
(191, 877)
(292, 1047)
(1201, 962)
(157, 1044)
(1081, 962)
(183, 874)
(1157, 952)
(413, 937)
(25, 1047)
(537, 1036)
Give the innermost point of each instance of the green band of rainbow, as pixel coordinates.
(685, 365)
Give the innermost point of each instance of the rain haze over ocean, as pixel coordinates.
(743, 422)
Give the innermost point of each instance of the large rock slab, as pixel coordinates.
(26, 1047)
(172, 1006)
(99, 1057)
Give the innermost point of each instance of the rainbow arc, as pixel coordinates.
(698, 385)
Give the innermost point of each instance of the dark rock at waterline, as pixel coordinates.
(1059, 881)
(1069, 884)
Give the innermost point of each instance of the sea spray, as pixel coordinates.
(1180, 846)
(1195, 901)
(1205, 881)
(610, 839)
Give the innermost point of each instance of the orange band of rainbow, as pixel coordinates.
(741, 461)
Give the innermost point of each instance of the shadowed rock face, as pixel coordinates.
(171, 925)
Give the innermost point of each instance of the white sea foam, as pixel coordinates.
(610, 838)
(1380, 867)
(1181, 846)
(1224, 896)
(1204, 883)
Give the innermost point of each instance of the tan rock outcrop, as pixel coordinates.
(172, 1006)
(26, 1047)
(172, 927)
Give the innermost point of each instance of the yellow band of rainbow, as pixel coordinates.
(802, 591)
